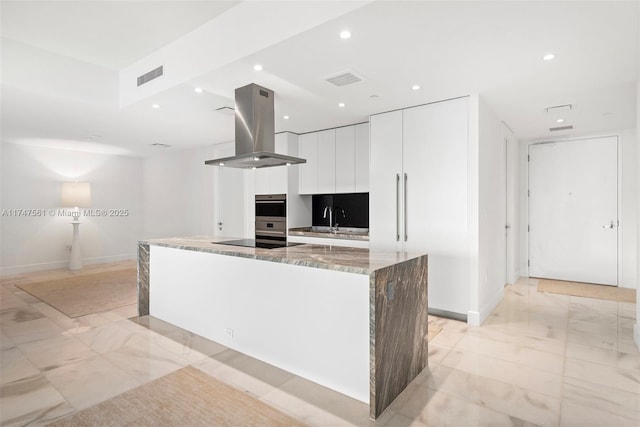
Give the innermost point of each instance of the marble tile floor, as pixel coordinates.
(540, 359)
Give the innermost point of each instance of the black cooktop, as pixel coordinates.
(251, 243)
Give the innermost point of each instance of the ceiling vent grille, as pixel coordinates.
(561, 128)
(153, 74)
(344, 78)
(160, 145)
(559, 108)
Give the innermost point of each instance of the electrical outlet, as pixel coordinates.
(228, 332)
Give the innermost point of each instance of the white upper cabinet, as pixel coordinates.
(308, 149)
(273, 180)
(361, 158)
(279, 174)
(345, 160)
(327, 161)
(337, 160)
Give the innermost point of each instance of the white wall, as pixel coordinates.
(512, 150)
(627, 208)
(31, 178)
(637, 326)
(491, 275)
(627, 204)
(179, 193)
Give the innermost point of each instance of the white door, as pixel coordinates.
(385, 182)
(230, 198)
(435, 197)
(573, 210)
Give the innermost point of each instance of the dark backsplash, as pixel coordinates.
(355, 205)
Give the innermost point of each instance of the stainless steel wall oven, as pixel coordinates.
(271, 220)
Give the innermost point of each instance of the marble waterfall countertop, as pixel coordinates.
(351, 260)
(342, 233)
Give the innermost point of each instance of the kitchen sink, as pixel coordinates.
(341, 230)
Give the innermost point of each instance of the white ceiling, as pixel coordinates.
(60, 63)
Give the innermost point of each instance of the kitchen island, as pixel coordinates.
(350, 319)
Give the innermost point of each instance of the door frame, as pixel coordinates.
(526, 185)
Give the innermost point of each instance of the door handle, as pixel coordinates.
(406, 233)
(609, 226)
(397, 207)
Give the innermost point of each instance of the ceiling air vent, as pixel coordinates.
(160, 145)
(153, 74)
(343, 78)
(561, 128)
(559, 108)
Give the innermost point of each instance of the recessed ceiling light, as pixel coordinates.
(288, 164)
(560, 121)
(198, 90)
(255, 159)
(156, 106)
(221, 164)
(253, 168)
(341, 105)
(345, 34)
(415, 87)
(257, 67)
(548, 57)
(285, 117)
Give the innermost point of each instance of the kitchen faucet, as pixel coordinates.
(324, 215)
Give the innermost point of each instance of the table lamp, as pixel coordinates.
(76, 195)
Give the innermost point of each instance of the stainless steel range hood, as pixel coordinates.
(255, 138)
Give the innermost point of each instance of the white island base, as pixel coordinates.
(350, 319)
(311, 322)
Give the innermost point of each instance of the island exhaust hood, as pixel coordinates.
(255, 138)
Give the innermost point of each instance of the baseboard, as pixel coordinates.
(514, 278)
(636, 333)
(54, 265)
(448, 314)
(477, 318)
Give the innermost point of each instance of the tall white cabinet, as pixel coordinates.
(418, 193)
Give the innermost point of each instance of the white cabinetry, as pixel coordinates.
(308, 150)
(345, 160)
(418, 194)
(327, 161)
(361, 158)
(337, 160)
(273, 180)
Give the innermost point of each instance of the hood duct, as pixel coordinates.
(255, 134)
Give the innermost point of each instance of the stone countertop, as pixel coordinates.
(346, 234)
(352, 260)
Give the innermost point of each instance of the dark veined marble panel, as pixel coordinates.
(398, 330)
(143, 279)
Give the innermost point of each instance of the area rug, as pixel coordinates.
(187, 397)
(611, 293)
(88, 293)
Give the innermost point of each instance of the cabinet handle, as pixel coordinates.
(406, 233)
(397, 207)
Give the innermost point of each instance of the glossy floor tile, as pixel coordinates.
(539, 360)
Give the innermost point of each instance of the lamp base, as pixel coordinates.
(75, 256)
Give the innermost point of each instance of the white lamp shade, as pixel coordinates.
(76, 195)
